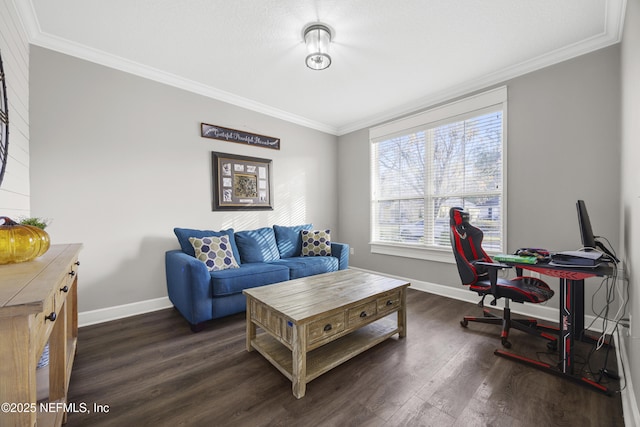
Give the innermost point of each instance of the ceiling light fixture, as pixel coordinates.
(317, 37)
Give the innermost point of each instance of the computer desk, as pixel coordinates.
(571, 321)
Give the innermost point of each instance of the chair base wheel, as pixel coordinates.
(552, 345)
(464, 323)
(506, 343)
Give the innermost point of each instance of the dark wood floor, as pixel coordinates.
(152, 370)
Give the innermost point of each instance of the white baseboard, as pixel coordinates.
(101, 315)
(539, 311)
(630, 410)
(629, 403)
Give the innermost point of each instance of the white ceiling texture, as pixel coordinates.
(390, 57)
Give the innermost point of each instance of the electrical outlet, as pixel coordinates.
(352, 251)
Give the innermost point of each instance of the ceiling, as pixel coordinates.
(389, 57)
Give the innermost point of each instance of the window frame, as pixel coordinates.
(454, 111)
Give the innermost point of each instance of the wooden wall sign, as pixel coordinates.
(233, 135)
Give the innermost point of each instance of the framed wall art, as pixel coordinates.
(241, 182)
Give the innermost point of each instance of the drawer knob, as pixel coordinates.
(72, 273)
(51, 317)
(327, 328)
(363, 314)
(77, 263)
(390, 302)
(64, 289)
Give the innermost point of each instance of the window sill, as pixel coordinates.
(413, 251)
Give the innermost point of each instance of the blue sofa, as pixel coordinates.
(255, 258)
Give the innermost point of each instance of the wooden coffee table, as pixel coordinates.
(315, 323)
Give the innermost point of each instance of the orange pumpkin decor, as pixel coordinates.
(19, 243)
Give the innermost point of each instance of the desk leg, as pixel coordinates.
(571, 326)
(578, 308)
(567, 299)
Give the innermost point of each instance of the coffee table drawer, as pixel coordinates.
(362, 313)
(325, 327)
(389, 303)
(271, 321)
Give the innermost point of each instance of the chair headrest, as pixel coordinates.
(457, 216)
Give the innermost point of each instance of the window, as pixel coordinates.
(425, 164)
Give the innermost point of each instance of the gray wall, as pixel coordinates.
(117, 162)
(630, 227)
(563, 145)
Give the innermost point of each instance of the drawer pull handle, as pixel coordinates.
(390, 302)
(51, 317)
(72, 273)
(65, 289)
(363, 314)
(327, 328)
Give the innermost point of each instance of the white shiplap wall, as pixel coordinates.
(14, 45)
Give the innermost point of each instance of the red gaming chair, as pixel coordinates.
(479, 272)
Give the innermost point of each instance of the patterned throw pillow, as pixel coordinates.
(316, 243)
(215, 252)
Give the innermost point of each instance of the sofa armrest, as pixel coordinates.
(189, 286)
(341, 251)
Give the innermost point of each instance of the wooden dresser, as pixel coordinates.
(38, 304)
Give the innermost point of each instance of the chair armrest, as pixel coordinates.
(493, 265)
(341, 251)
(188, 285)
(492, 270)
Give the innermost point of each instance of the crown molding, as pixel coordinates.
(27, 16)
(612, 34)
(116, 62)
(38, 37)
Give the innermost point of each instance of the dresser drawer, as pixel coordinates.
(389, 303)
(60, 297)
(362, 313)
(43, 324)
(325, 327)
(45, 320)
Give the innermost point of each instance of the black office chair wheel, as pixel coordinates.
(505, 343)
(464, 323)
(552, 345)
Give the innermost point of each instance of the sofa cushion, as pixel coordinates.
(183, 235)
(257, 245)
(289, 240)
(214, 251)
(250, 275)
(308, 266)
(316, 243)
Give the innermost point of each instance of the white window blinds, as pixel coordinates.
(446, 157)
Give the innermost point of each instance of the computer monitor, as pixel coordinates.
(586, 232)
(589, 242)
